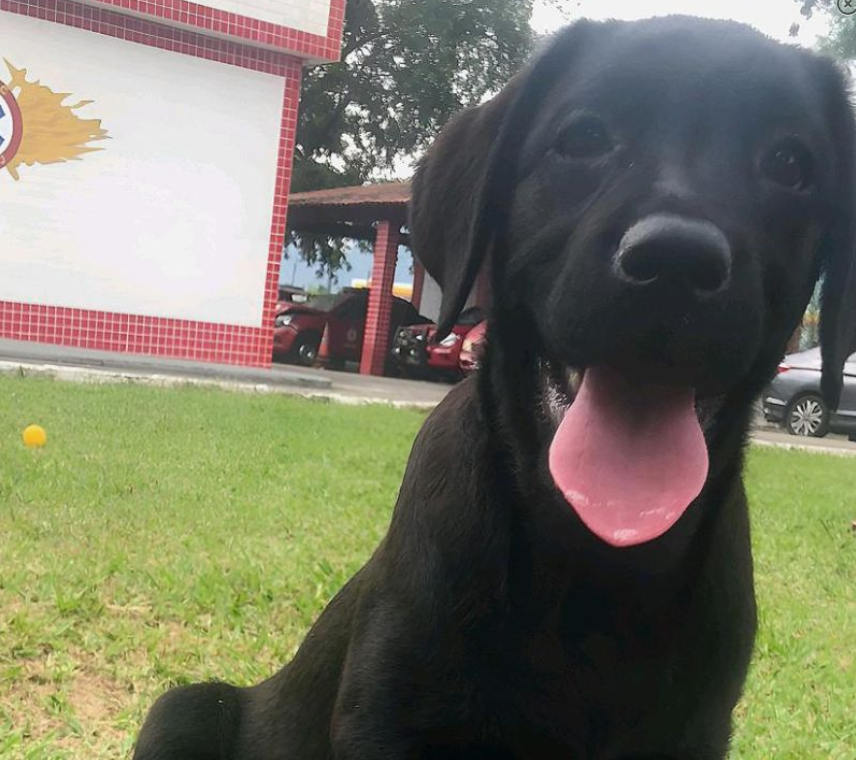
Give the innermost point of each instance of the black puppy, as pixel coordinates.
(567, 574)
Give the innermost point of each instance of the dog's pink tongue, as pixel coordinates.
(629, 459)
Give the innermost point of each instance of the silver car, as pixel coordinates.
(793, 398)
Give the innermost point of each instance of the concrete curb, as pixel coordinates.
(344, 399)
(302, 387)
(314, 389)
(90, 375)
(803, 447)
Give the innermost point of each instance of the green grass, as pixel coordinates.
(800, 701)
(166, 536)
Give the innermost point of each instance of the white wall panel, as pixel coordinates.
(172, 216)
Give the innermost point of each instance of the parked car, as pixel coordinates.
(298, 327)
(794, 401)
(472, 348)
(418, 357)
(290, 294)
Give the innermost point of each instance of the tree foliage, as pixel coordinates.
(406, 67)
(841, 38)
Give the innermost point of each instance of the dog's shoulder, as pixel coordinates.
(446, 497)
(452, 441)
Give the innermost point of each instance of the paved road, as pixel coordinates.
(343, 386)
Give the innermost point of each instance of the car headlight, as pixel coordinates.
(283, 320)
(467, 346)
(450, 340)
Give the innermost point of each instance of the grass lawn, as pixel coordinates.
(166, 536)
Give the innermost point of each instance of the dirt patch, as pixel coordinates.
(71, 704)
(96, 700)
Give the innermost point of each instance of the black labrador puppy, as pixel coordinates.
(567, 574)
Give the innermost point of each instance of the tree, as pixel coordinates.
(841, 39)
(406, 67)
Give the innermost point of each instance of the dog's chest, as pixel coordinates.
(606, 679)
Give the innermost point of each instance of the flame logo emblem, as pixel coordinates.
(37, 127)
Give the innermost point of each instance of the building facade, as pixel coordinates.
(145, 162)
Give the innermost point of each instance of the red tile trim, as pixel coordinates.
(154, 34)
(203, 341)
(336, 25)
(255, 31)
(284, 162)
(135, 334)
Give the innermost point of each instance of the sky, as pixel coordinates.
(772, 17)
(295, 271)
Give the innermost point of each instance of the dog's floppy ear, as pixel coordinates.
(462, 189)
(838, 296)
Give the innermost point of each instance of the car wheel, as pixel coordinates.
(807, 415)
(305, 349)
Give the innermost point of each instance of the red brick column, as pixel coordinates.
(418, 282)
(376, 338)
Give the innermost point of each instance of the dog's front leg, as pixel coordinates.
(391, 703)
(367, 727)
(375, 743)
(709, 749)
(369, 722)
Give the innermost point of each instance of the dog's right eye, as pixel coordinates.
(587, 137)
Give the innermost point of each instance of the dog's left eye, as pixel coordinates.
(587, 137)
(788, 164)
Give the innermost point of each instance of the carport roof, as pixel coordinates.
(349, 211)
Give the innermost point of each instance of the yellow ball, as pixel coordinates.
(35, 436)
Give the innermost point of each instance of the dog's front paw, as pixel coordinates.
(198, 722)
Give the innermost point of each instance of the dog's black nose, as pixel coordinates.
(677, 249)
